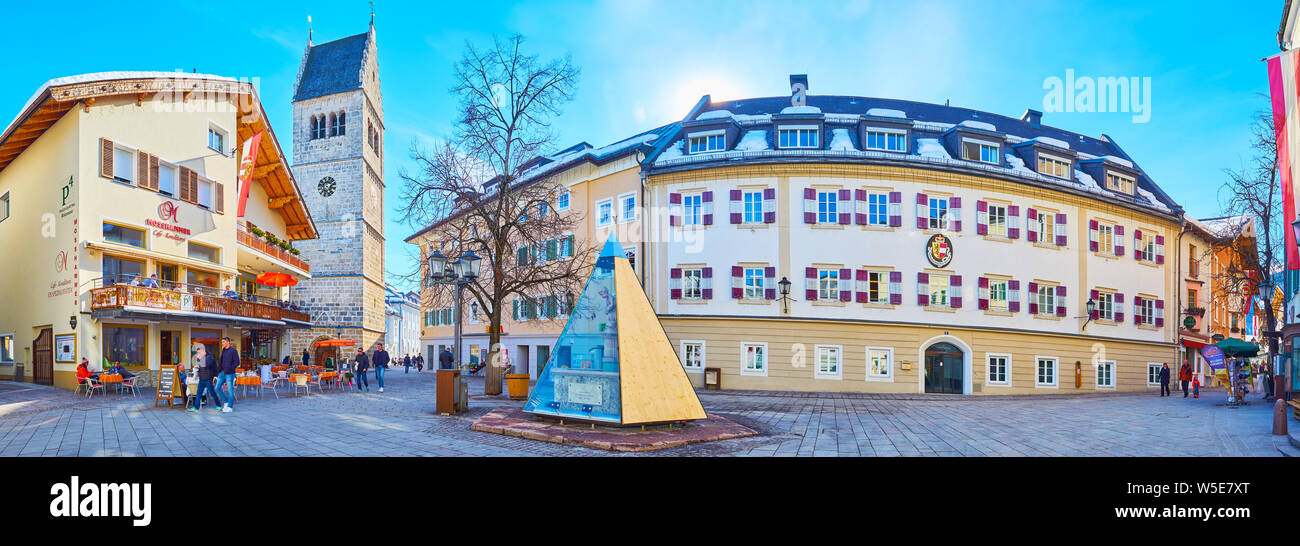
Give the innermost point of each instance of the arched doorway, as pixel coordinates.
(320, 356)
(944, 369)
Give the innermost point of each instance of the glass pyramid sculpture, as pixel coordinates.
(613, 363)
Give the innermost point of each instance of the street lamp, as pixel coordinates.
(785, 294)
(458, 273)
(1091, 306)
(437, 266)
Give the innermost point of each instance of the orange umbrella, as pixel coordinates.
(276, 279)
(334, 342)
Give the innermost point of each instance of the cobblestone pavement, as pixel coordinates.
(43, 421)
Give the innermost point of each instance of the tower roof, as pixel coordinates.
(333, 67)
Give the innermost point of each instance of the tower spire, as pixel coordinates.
(309, 29)
(372, 15)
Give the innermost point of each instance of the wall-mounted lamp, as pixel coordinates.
(72, 321)
(785, 294)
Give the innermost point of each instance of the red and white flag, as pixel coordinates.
(246, 163)
(1283, 87)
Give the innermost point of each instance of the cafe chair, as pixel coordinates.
(128, 383)
(301, 383)
(265, 385)
(82, 385)
(91, 385)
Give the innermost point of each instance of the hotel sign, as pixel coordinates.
(168, 212)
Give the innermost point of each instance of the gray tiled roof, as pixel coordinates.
(333, 67)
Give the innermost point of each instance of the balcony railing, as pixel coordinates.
(254, 242)
(189, 299)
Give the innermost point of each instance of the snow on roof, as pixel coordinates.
(1226, 226)
(930, 147)
(840, 140)
(1151, 198)
(1119, 160)
(1018, 164)
(1052, 142)
(747, 119)
(673, 151)
(843, 118)
(801, 110)
(978, 125)
(754, 140)
(715, 114)
(886, 113)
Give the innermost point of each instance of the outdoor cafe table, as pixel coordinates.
(111, 378)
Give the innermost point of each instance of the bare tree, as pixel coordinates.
(1254, 191)
(481, 193)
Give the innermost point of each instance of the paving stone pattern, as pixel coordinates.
(43, 421)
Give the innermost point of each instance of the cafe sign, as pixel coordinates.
(168, 212)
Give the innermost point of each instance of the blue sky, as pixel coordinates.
(646, 63)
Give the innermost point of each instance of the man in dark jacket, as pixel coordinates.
(306, 358)
(229, 363)
(361, 363)
(381, 364)
(406, 361)
(445, 359)
(207, 370)
(1164, 379)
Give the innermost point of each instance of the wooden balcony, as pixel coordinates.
(122, 295)
(254, 242)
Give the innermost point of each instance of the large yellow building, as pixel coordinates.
(108, 180)
(834, 243)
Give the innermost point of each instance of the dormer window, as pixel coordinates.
(712, 141)
(887, 140)
(1115, 182)
(798, 136)
(979, 150)
(1053, 166)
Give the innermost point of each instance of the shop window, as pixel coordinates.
(7, 348)
(125, 344)
(204, 252)
(124, 235)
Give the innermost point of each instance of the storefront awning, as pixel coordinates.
(1188, 342)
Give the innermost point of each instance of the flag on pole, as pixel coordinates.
(1283, 89)
(246, 163)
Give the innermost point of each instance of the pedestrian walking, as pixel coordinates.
(445, 360)
(1185, 375)
(406, 361)
(360, 364)
(419, 364)
(229, 363)
(207, 370)
(1164, 379)
(381, 364)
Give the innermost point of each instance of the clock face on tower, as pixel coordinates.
(327, 186)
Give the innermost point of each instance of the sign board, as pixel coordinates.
(1189, 322)
(1217, 337)
(585, 393)
(168, 387)
(1213, 356)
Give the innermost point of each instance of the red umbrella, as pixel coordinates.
(276, 279)
(334, 343)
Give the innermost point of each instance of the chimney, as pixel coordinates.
(798, 89)
(1033, 117)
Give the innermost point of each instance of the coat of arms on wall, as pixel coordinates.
(938, 250)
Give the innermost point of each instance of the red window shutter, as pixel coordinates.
(1160, 250)
(922, 289)
(859, 204)
(1033, 298)
(863, 285)
(737, 209)
(105, 158)
(1060, 300)
(954, 291)
(809, 206)
(706, 283)
(810, 283)
(1138, 249)
(1119, 301)
(895, 209)
(845, 203)
(1092, 235)
(675, 274)
(1031, 217)
(981, 218)
(954, 212)
(1160, 313)
(706, 206)
(1119, 240)
(1137, 310)
(674, 219)
(737, 282)
(1094, 295)
(769, 196)
(1061, 238)
(1013, 296)
(983, 293)
(845, 280)
(1013, 222)
(895, 287)
(153, 172)
(922, 211)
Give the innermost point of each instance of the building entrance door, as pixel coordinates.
(543, 354)
(943, 369)
(43, 358)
